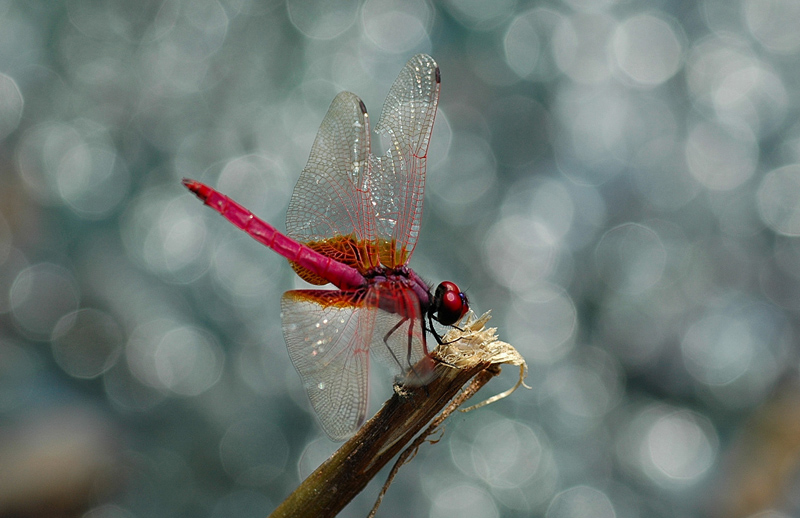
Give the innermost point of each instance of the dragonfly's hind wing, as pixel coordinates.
(398, 339)
(328, 336)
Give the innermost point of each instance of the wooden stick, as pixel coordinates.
(340, 478)
(481, 379)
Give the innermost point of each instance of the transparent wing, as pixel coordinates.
(331, 194)
(398, 338)
(398, 177)
(328, 335)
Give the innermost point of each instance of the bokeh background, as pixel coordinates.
(618, 181)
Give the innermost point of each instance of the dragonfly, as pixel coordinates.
(353, 221)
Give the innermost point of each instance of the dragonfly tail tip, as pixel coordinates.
(202, 191)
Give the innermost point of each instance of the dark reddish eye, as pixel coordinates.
(450, 304)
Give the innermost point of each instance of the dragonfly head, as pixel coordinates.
(449, 303)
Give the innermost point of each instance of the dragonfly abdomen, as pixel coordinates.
(342, 275)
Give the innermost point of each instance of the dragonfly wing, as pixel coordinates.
(331, 194)
(398, 177)
(398, 338)
(328, 335)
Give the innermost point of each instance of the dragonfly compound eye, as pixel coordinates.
(450, 303)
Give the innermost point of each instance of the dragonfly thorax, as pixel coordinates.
(404, 276)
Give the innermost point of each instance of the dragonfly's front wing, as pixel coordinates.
(329, 334)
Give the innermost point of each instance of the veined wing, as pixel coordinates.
(327, 209)
(353, 206)
(328, 335)
(398, 177)
(398, 339)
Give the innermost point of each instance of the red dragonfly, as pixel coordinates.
(353, 221)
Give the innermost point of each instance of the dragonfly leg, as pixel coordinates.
(386, 342)
(436, 335)
(409, 347)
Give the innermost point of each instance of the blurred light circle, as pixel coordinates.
(11, 104)
(515, 461)
(635, 331)
(592, 146)
(630, 258)
(718, 349)
(765, 345)
(92, 180)
(198, 32)
(723, 73)
(528, 43)
(167, 234)
(506, 454)
(110, 21)
(588, 215)
(580, 45)
(711, 60)
(583, 391)
(258, 183)
(721, 158)
(480, 15)
(718, 16)
(39, 155)
(519, 252)
(170, 75)
(581, 502)
(738, 214)
(322, 19)
(464, 501)
(12, 264)
(541, 323)
(522, 45)
(40, 296)
(468, 173)
(679, 448)
(315, 453)
(779, 200)
(774, 23)
(753, 96)
(188, 361)
(127, 393)
(142, 347)
(198, 148)
(551, 203)
(247, 277)
(396, 27)
(647, 49)
(254, 452)
(86, 343)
